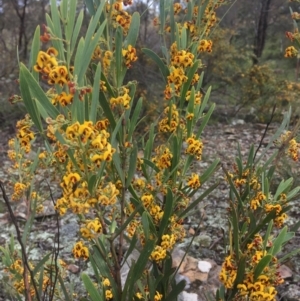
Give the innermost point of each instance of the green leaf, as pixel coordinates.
(91, 289)
(137, 269)
(70, 15)
(88, 50)
(119, 66)
(76, 31)
(287, 256)
(235, 229)
(173, 25)
(205, 120)
(176, 290)
(134, 118)
(145, 223)
(57, 43)
(206, 97)
(38, 93)
(150, 164)
(132, 165)
(41, 264)
(283, 186)
(132, 245)
(168, 210)
(117, 165)
(107, 110)
(162, 67)
(293, 193)
(29, 103)
(35, 48)
(295, 227)
(186, 86)
(133, 30)
(90, 6)
(28, 224)
(198, 200)
(278, 242)
(250, 157)
(91, 183)
(208, 172)
(149, 144)
(261, 265)
(267, 235)
(95, 95)
(241, 270)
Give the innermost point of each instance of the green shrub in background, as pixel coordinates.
(123, 188)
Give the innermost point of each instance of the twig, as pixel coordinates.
(265, 132)
(23, 249)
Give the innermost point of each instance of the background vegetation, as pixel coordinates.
(247, 68)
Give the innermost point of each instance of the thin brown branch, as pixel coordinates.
(265, 132)
(23, 249)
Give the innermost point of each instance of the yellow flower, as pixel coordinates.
(106, 282)
(129, 55)
(158, 254)
(108, 294)
(194, 181)
(157, 296)
(291, 51)
(205, 46)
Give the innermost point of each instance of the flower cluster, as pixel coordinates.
(163, 158)
(24, 134)
(205, 46)
(180, 61)
(107, 288)
(291, 51)
(129, 55)
(51, 71)
(119, 16)
(170, 122)
(16, 270)
(262, 288)
(194, 147)
(293, 146)
(257, 200)
(80, 251)
(123, 99)
(91, 148)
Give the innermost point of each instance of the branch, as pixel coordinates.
(23, 249)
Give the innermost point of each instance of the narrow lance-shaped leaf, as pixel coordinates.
(168, 210)
(162, 67)
(35, 48)
(205, 120)
(57, 31)
(133, 30)
(71, 14)
(263, 263)
(95, 95)
(91, 289)
(29, 103)
(132, 165)
(76, 30)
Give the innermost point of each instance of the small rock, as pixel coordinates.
(285, 271)
(74, 269)
(204, 266)
(203, 240)
(192, 231)
(184, 296)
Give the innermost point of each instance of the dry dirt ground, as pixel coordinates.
(220, 141)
